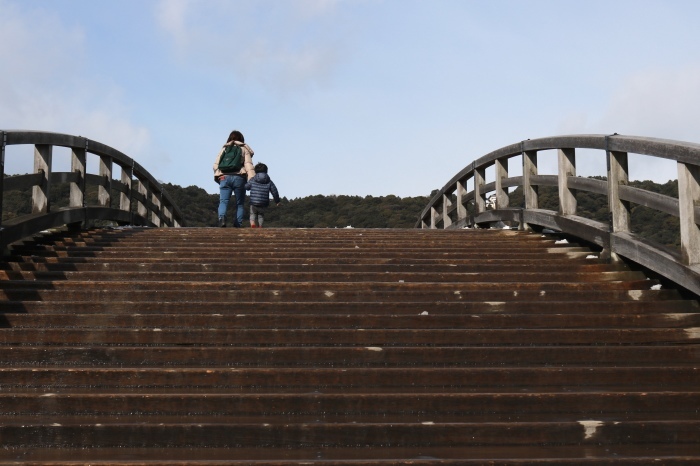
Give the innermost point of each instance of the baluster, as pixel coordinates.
(688, 198)
(125, 197)
(104, 190)
(461, 194)
(502, 198)
(618, 174)
(530, 191)
(567, 168)
(446, 204)
(142, 208)
(479, 194)
(42, 164)
(3, 141)
(155, 214)
(77, 166)
(433, 218)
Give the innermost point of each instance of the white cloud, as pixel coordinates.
(279, 46)
(47, 86)
(657, 104)
(652, 103)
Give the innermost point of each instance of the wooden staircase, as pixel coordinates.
(350, 346)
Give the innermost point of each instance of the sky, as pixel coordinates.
(348, 97)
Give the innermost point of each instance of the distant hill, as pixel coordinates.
(199, 209)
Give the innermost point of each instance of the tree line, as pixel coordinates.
(199, 208)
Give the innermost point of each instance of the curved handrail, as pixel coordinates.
(153, 207)
(448, 207)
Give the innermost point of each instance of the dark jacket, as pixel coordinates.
(260, 187)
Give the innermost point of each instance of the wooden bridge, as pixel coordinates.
(143, 345)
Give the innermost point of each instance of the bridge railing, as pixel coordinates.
(153, 207)
(454, 206)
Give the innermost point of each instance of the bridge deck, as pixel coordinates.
(340, 346)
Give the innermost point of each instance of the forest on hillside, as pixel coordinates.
(199, 209)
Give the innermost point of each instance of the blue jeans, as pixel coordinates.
(232, 184)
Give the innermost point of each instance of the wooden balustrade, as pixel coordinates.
(614, 237)
(153, 207)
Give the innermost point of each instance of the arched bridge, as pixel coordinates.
(141, 199)
(433, 346)
(455, 206)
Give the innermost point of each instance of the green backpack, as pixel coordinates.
(231, 160)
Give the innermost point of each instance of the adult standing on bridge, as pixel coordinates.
(233, 167)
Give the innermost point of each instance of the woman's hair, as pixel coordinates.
(260, 168)
(236, 136)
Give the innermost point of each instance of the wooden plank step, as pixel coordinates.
(333, 293)
(298, 253)
(352, 321)
(215, 435)
(346, 357)
(647, 304)
(332, 277)
(223, 267)
(508, 455)
(346, 337)
(536, 379)
(573, 259)
(342, 408)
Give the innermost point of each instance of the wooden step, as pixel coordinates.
(150, 346)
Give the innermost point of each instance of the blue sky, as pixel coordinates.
(358, 97)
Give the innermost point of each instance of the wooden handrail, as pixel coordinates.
(153, 207)
(448, 207)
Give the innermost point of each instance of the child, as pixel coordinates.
(260, 187)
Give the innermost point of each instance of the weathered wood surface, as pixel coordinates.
(134, 185)
(684, 270)
(151, 346)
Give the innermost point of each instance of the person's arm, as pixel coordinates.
(248, 162)
(217, 172)
(275, 194)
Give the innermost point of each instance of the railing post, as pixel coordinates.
(125, 198)
(530, 191)
(567, 168)
(142, 208)
(155, 214)
(3, 141)
(446, 204)
(433, 218)
(461, 209)
(502, 199)
(77, 165)
(618, 174)
(688, 198)
(104, 190)
(42, 164)
(479, 194)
